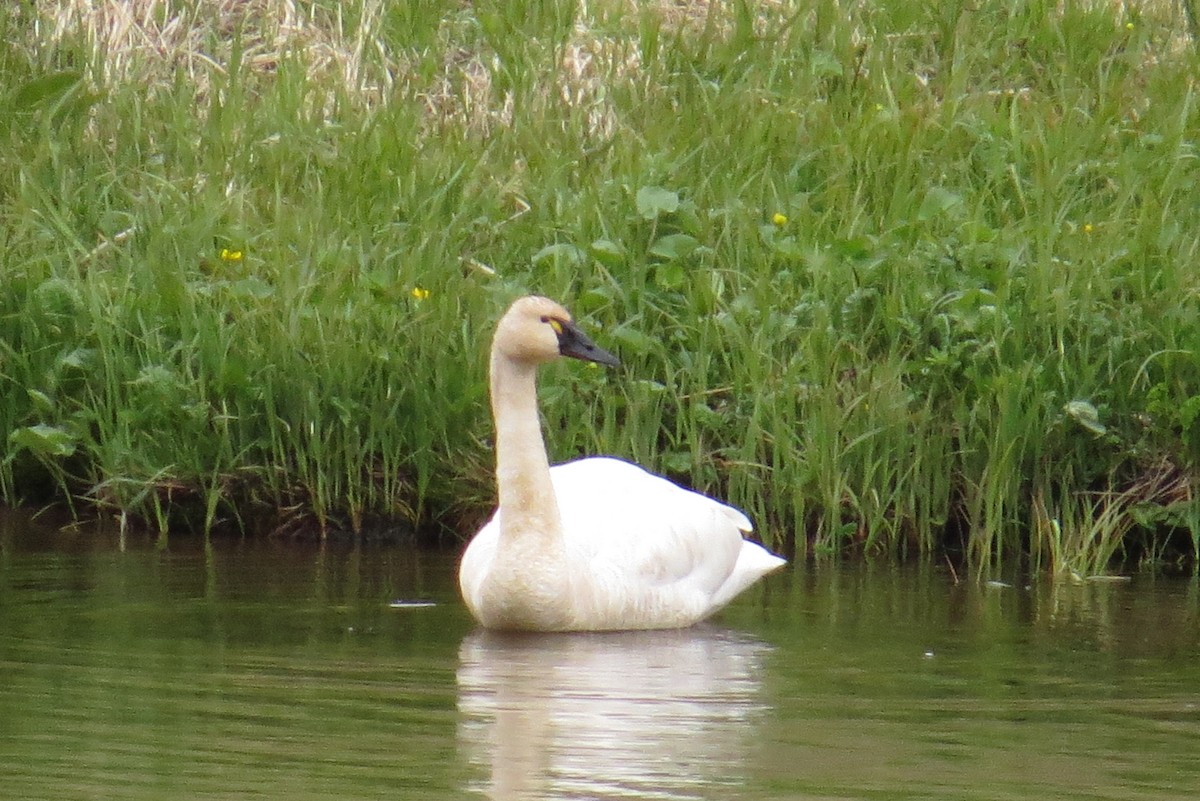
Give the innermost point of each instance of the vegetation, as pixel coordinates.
(893, 277)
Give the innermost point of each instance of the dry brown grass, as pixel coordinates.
(152, 42)
(156, 44)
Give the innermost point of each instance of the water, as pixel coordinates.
(283, 671)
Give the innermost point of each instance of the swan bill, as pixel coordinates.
(576, 344)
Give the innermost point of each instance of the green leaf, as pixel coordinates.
(45, 87)
(593, 299)
(826, 65)
(674, 246)
(677, 462)
(670, 275)
(607, 252)
(654, 201)
(786, 246)
(1086, 415)
(561, 253)
(43, 440)
(938, 201)
(856, 248)
(78, 359)
(1189, 411)
(41, 401)
(651, 387)
(251, 288)
(157, 376)
(632, 340)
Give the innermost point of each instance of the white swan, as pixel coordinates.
(598, 543)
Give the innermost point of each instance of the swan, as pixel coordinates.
(598, 543)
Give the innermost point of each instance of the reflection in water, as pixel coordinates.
(651, 714)
(280, 672)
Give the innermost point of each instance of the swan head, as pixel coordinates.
(536, 330)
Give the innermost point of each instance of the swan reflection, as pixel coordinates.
(651, 714)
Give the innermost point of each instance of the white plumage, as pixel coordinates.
(597, 543)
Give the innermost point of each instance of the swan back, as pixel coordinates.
(641, 551)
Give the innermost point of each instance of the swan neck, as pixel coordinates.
(527, 503)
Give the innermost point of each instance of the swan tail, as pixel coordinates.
(754, 562)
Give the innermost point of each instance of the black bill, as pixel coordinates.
(576, 344)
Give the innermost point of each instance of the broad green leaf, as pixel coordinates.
(826, 65)
(651, 387)
(593, 298)
(43, 440)
(938, 201)
(78, 358)
(45, 87)
(561, 253)
(1086, 415)
(607, 252)
(251, 288)
(787, 247)
(676, 462)
(674, 246)
(157, 376)
(857, 248)
(633, 340)
(654, 201)
(41, 401)
(670, 275)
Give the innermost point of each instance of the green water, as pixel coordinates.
(251, 670)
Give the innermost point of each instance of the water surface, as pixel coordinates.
(278, 670)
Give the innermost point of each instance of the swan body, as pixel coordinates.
(597, 543)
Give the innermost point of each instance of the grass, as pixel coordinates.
(893, 278)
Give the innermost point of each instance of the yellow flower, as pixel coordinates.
(231, 255)
(779, 219)
(1129, 26)
(418, 293)
(1088, 228)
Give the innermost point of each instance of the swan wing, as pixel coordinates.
(643, 533)
(646, 552)
(477, 562)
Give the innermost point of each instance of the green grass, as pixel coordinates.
(975, 329)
